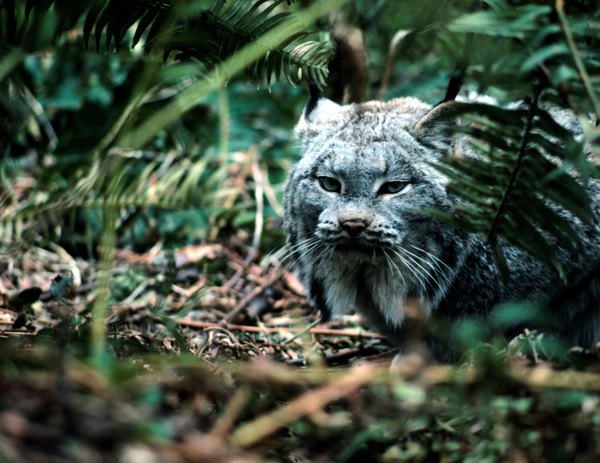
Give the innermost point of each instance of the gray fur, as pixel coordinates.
(398, 257)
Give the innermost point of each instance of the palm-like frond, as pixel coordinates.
(520, 186)
(126, 182)
(206, 31)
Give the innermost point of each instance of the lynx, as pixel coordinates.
(357, 233)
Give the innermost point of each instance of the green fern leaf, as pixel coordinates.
(146, 20)
(520, 185)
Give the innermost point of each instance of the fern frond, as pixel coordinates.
(527, 179)
(535, 41)
(212, 34)
(124, 183)
(206, 31)
(520, 186)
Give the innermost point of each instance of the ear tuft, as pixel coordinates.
(315, 96)
(319, 112)
(318, 107)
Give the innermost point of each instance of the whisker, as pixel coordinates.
(408, 267)
(433, 257)
(297, 249)
(446, 272)
(422, 261)
(418, 270)
(393, 266)
(283, 256)
(441, 278)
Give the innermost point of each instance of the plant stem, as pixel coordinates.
(514, 176)
(223, 125)
(583, 74)
(99, 309)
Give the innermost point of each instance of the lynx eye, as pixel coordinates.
(330, 184)
(390, 188)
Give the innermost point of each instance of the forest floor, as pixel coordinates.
(209, 358)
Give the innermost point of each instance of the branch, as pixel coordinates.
(514, 177)
(357, 333)
(307, 404)
(338, 388)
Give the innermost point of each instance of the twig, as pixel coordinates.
(244, 302)
(387, 73)
(259, 199)
(229, 284)
(135, 293)
(334, 387)
(308, 327)
(266, 329)
(234, 408)
(6, 333)
(272, 197)
(544, 377)
(251, 167)
(583, 74)
(307, 404)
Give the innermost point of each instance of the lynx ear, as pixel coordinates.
(435, 127)
(317, 112)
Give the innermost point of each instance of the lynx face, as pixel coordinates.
(354, 209)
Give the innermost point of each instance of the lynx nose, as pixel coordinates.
(354, 226)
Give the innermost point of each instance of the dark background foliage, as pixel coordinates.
(146, 144)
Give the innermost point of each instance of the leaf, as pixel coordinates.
(90, 20)
(144, 23)
(520, 232)
(506, 22)
(211, 33)
(516, 186)
(540, 56)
